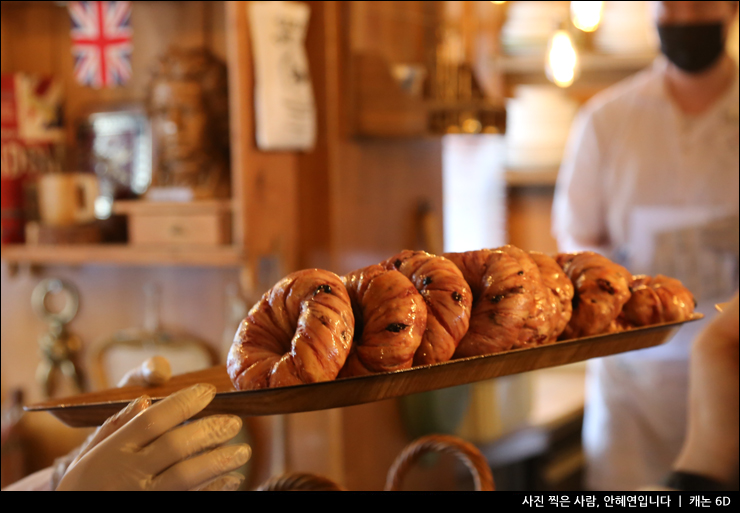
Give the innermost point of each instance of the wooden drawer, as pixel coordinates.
(198, 224)
(208, 230)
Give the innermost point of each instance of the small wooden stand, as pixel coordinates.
(199, 223)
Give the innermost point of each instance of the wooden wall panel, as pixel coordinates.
(393, 30)
(377, 183)
(382, 184)
(529, 219)
(314, 235)
(358, 197)
(265, 185)
(375, 186)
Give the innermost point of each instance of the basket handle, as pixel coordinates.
(467, 452)
(299, 482)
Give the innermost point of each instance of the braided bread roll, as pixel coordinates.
(559, 301)
(538, 327)
(299, 332)
(510, 308)
(448, 300)
(656, 300)
(601, 290)
(390, 320)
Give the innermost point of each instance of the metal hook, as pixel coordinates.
(58, 346)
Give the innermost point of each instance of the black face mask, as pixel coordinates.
(693, 48)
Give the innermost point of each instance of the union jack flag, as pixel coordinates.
(101, 42)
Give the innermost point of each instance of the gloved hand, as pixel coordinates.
(144, 447)
(153, 371)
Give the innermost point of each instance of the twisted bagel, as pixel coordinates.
(657, 300)
(448, 300)
(509, 301)
(559, 302)
(601, 288)
(390, 319)
(299, 332)
(538, 326)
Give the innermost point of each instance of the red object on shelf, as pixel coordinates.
(31, 131)
(11, 185)
(11, 215)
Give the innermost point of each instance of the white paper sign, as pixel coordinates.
(284, 103)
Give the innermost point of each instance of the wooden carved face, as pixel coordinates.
(179, 119)
(188, 108)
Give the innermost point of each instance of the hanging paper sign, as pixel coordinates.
(284, 103)
(101, 42)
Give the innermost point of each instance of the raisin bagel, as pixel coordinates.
(299, 332)
(509, 308)
(559, 293)
(390, 319)
(447, 297)
(601, 288)
(656, 300)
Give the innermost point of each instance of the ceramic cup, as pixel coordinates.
(67, 198)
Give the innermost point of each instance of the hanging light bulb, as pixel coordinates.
(586, 16)
(497, 3)
(561, 66)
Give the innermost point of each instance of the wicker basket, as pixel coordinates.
(468, 453)
(299, 482)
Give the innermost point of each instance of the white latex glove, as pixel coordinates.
(144, 447)
(153, 371)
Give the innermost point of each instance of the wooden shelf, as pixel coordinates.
(475, 105)
(539, 177)
(121, 254)
(208, 206)
(588, 62)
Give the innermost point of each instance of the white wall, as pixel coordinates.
(474, 192)
(111, 299)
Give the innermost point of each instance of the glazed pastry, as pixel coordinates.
(509, 309)
(390, 319)
(601, 290)
(538, 327)
(447, 297)
(560, 292)
(657, 300)
(299, 332)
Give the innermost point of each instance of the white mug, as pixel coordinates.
(67, 198)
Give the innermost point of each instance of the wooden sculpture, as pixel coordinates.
(188, 106)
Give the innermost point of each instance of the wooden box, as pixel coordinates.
(198, 223)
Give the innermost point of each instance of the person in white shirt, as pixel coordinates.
(650, 180)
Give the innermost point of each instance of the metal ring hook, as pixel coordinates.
(55, 285)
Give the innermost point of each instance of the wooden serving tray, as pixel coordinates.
(92, 409)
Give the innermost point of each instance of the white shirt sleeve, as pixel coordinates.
(579, 210)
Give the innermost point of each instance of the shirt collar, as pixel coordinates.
(727, 105)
